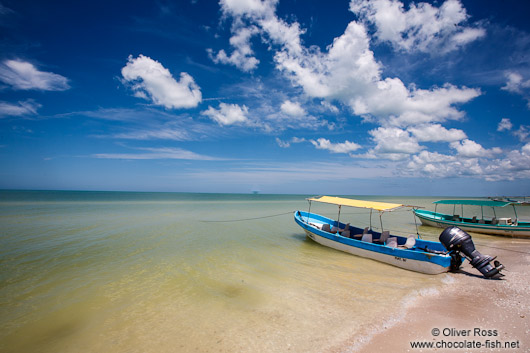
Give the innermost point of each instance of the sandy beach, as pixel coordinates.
(468, 314)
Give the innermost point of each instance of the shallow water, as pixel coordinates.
(144, 272)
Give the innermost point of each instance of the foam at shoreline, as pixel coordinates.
(465, 301)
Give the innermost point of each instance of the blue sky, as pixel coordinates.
(343, 97)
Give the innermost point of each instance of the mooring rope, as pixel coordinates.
(247, 219)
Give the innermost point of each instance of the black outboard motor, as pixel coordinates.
(456, 240)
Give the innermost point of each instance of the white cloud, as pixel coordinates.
(22, 75)
(293, 109)
(394, 141)
(257, 8)
(348, 71)
(504, 125)
(470, 149)
(436, 165)
(422, 28)
(332, 108)
(227, 114)
(150, 80)
(298, 139)
(287, 144)
(522, 133)
(22, 108)
(513, 165)
(176, 134)
(242, 55)
(282, 144)
(436, 133)
(517, 84)
(157, 153)
(343, 147)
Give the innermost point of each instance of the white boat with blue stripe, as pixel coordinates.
(410, 253)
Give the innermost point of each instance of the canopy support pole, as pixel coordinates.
(338, 218)
(371, 218)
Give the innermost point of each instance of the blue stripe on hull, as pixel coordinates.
(415, 260)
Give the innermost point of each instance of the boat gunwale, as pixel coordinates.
(415, 254)
(430, 215)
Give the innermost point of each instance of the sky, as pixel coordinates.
(358, 97)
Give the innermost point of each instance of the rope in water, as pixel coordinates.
(248, 219)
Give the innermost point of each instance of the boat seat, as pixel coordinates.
(392, 242)
(384, 236)
(326, 228)
(347, 227)
(474, 220)
(494, 221)
(367, 237)
(411, 241)
(359, 236)
(334, 230)
(456, 218)
(346, 231)
(481, 221)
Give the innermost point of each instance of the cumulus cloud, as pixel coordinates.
(242, 55)
(518, 85)
(504, 125)
(342, 147)
(522, 133)
(470, 149)
(292, 108)
(22, 108)
(228, 114)
(394, 142)
(328, 106)
(513, 165)
(436, 133)
(152, 81)
(515, 83)
(437, 165)
(22, 75)
(422, 27)
(348, 72)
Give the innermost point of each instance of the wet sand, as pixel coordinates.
(468, 314)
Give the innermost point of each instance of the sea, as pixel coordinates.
(186, 272)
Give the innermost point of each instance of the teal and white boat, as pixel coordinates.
(507, 226)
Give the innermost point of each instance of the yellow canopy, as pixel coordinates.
(379, 206)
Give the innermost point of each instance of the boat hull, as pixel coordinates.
(440, 220)
(417, 261)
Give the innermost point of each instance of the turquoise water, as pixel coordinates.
(151, 272)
